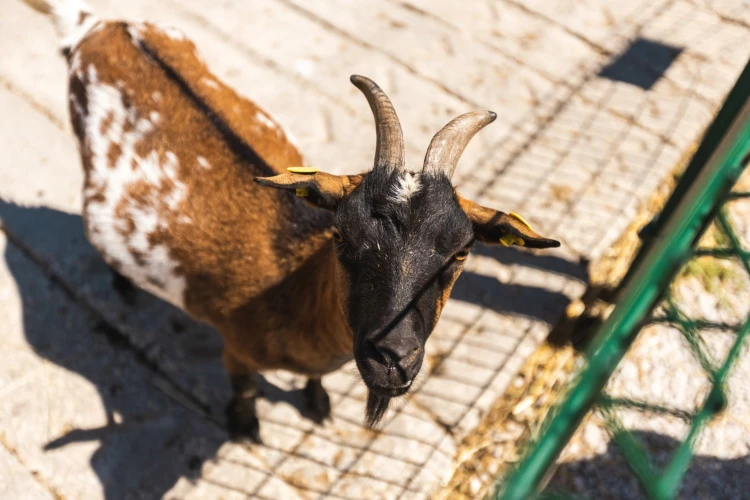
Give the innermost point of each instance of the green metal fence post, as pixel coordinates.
(711, 175)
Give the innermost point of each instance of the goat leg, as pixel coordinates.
(317, 402)
(242, 421)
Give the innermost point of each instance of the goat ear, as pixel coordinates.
(492, 226)
(319, 188)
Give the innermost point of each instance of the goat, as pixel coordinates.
(304, 277)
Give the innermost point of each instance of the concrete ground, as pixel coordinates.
(597, 101)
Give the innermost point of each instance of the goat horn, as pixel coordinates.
(389, 150)
(447, 146)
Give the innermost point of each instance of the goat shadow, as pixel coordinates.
(143, 421)
(176, 440)
(536, 302)
(608, 475)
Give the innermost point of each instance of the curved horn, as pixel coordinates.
(447, 146)
(389, 150)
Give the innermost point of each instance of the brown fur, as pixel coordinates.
(177, 152)
(258, 262)
(491, 225)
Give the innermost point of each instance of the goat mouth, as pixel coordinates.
(390, 392)
(384, 390)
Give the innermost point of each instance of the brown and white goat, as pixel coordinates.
(176, 200)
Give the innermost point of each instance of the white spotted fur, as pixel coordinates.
(208, 82)
(66, 14)
(266, 120)
(203, 162)
(172, 32)
(158, 273)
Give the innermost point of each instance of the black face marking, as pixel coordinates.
(398, 256)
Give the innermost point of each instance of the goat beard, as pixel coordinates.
(377, 405)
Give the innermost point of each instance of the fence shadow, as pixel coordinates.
(142, 420)
(539, 260)
(608, 476)
(533, 302)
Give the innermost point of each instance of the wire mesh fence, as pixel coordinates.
(671, 242)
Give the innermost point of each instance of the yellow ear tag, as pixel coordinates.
(303, 170)
(510, 239)
(518, 217)
(302, 191)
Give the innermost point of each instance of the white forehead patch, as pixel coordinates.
(407, 186)
(120, 227)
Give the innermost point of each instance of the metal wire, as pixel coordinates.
(697, 201)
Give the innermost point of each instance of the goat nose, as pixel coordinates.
(405, 362)
(398, 354)
(402, 358)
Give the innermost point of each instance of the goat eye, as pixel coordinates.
(337, 235)
(461, 254)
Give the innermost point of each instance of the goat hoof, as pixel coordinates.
(242, 422)
(317, 402)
